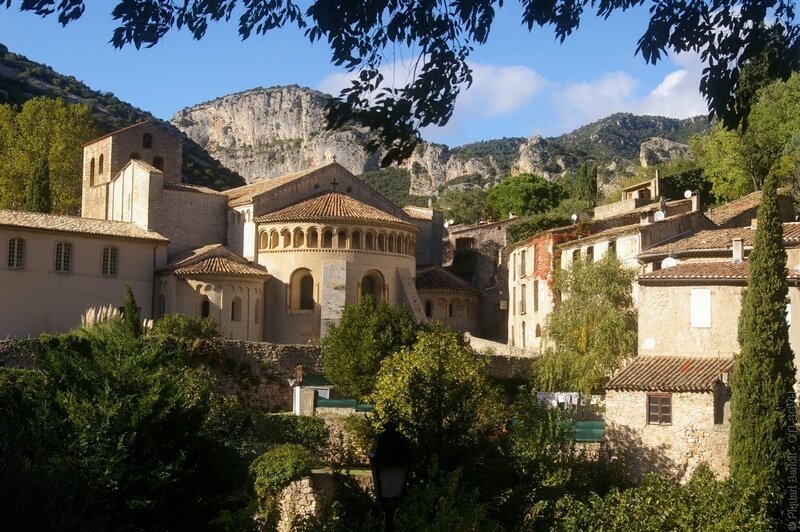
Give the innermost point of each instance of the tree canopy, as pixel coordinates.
(523, 194)
(441, 35)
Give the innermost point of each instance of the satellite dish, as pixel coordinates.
(687, 194)
(574, 217)
(658, 216)
(669, 262)
(450, 222)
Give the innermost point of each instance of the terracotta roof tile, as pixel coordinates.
(670, 374)
(720, 239)
(220, 266)
(186, 187)
(418, 213)
(725, 213)
(710, 270)
(330, 206)
(245, 194)
(437, 278)
(76, 224)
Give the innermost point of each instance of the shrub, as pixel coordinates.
(189, 328)
(310, 432)
(273, 471)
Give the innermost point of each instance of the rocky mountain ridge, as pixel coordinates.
(268, 132)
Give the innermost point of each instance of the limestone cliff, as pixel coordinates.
(657, 150)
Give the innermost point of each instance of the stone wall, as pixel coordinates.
(309, 496)
(673, 450)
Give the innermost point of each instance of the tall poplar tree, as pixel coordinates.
(762, 436)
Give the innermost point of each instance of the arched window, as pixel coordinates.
(370, 242)
(134, 155)
(355, 240)
(147, 141)
(538, 331)
(381, 242)
(302, 290)
(273, 239)
(341, 239)
(263, 240)
(63, 258)
(109, 260)
(16, 254)
(327, 239)
(100, 165)
(286, 236)
(205, 307)
(91, 171)
(257, 312)
(429, 308)
(372, 285)
(299, 238)
(158, 162)
(312, 239)
(236, 309)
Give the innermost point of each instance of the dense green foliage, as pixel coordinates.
(763, 418)
(504, 152)
(37, 191)
(276, 468)
(523, 194)
(42, 140)
(703, 504)
(109, 113)
(463, 206)
(130, 314)
(593, 328)
(182, 326)
(368, 332)
(531, 225)
(394, 184)
(737, 162)
(581, 185)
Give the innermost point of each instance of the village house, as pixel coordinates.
(270, 261)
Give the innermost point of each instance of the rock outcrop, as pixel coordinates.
(658, 150)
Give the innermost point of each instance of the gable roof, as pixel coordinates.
(725, 213)
(91, 227)
(719, 240)
(418, 213)
(214, 260)
(187, 187)
(670, 374)
(437, 278)
(126, 128)
(712, 272)
(331, 206)
(245, 194)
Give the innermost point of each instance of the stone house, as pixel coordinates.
(448, 298)
(668, 410)
(271, 261)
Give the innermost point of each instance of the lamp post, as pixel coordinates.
(390, 461)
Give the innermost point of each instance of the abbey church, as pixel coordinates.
(271, 261)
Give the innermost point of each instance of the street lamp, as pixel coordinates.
(390, 460)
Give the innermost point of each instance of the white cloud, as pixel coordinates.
(676, 96)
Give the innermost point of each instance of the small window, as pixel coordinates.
(100, 164)
(700, 308)
(590, 254)
(91, 171)
(522, 270)
(263, 240)
(341, 240)
(147, 141)
(522, 299)
(536, 296)
(236, 309)
(429, 308)
(205, 307)
(158, 162)
(63, 257)
(109, 260)
(538, 331)
(576, 254)
(327, 239)
(659, 409)
(16, 254)
(257, 311)
(612, 247)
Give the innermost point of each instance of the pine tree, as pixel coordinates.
(762, 436)
(130, 314)
(37, 193)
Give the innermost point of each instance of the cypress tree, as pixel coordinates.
(763, 437)
(130, 314)
(37, 193)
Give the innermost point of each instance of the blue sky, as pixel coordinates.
(525, 83)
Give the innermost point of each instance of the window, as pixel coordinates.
(91, 171)
(612, 247)
(538, 331)
(701, 308)
(109, 260)
(257, 311)
(301, 290)
(513, 299)
(576, 254)
(63, 256)
(659, 409)
(205, 307)
(312, 240)
(236, 309)
(535, 296)
(341, 240)
(372, 285)
(273, 240)
(355, 240)
(158, 162)
(299, 238)
(522, 335)
(327, 239)
(522, 299)
(100, 164)
(429, 308)
(263, 240)
(16, 254)
(590, 254)
(522, 263)
(147, 141)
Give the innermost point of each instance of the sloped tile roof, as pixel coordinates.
(670, 374)
(437, 278)
(725, 213)
(710, 270)
(330, 206)
(146, 166)
(214, 260)
(721, 239)
(186, 187)
(418, 213)
(75, 224)
(221, 266)
(245, 194)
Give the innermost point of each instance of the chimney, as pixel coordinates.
(753, 223)
(738, 250)
(696, 202)
(298, 373)
(646, 218)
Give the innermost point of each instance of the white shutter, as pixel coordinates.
(701, 308)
